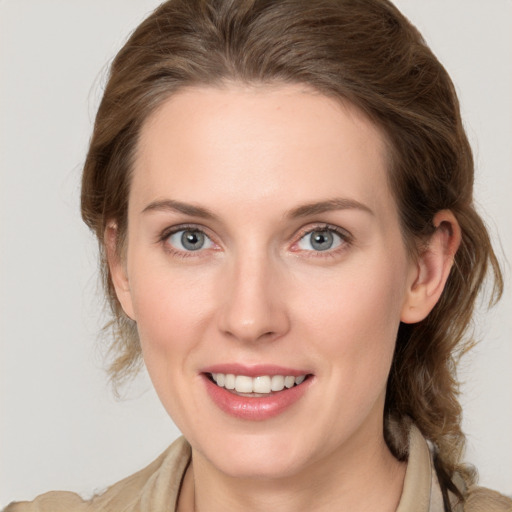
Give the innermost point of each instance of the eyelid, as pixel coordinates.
(346, 237)
(166, 233)
(179, 226)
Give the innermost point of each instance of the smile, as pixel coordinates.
(260, 385)
(256, 393)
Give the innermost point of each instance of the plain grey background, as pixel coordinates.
(60, 427)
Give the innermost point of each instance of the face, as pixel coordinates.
(264, 251)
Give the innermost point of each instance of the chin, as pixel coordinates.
(257, 456)
(268, 466)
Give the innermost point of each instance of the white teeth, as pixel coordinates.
(243, 384)
(289, 381)
(230, 381)
(299, 380)
(262, 384)
(277, 383)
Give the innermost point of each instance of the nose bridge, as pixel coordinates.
(253, 305)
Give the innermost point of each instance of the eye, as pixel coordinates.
(189, 240)
(323, 239)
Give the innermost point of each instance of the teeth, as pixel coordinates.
(277, 383)
(262, 384)
(230, 381)
(221, 379)
(243, 384)
(299, 380)
(289, 381)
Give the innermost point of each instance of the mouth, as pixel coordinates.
(256, 387)
(256, 392)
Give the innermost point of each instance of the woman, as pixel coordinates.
(282, 192)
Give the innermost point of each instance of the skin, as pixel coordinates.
(258, 292)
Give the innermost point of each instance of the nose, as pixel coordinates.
(253, 302)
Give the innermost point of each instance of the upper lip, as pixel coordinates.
(254, 370)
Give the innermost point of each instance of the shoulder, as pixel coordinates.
(480, 499)
(153, 488)
(56, 501)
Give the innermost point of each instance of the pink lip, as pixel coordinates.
(255, 408)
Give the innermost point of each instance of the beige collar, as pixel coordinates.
(419, 493)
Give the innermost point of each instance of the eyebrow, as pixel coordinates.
(305, 210)
(171, 205)
(326, 206)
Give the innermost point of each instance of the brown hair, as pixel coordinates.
(362, 51)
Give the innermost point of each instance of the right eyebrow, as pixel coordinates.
(338, 203)
(166, 205)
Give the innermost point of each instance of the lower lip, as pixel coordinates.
(255, 408)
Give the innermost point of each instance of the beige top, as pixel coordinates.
(156, 488)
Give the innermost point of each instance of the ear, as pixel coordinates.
(118, 271)
(432, 268)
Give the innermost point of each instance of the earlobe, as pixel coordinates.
(117, 267)
(432, 268)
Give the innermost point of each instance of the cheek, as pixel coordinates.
(172, 311)
(171, 308)
(354, 316)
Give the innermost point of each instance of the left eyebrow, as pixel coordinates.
(339, 203)
(169, 205)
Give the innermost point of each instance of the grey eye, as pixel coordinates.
(190, 240)
(320, 240)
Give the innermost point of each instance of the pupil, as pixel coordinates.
(322, 240)
(192, 240)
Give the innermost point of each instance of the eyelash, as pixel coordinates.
(345, 237)
(167, 233)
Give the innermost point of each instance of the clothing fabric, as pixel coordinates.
(156, 488)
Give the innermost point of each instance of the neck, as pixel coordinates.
(364, 478)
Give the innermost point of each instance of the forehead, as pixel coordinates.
(254, 144)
